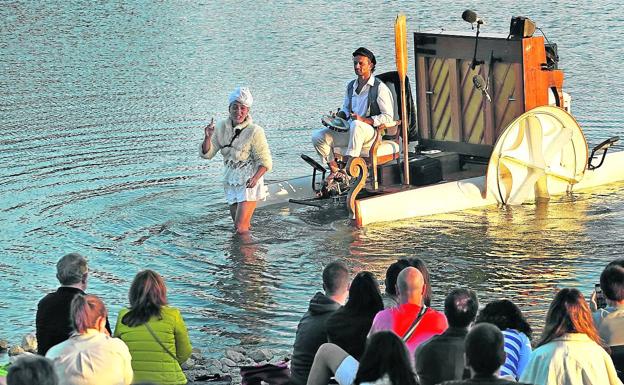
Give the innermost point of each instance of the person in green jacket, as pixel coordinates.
(154, 332)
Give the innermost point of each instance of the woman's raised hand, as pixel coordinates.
(209, 129)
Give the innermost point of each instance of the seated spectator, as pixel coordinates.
(570, 350)
(348, 326)
(53, 319)
(311, 331)
(411, 321)
(485, 353)
(411, 289)
(610, 321)
(422, 267)
(31, 370)
(384, 362)
(154, 332)
(90, 356)
(517, 331)
(389, 296)
(442, 357)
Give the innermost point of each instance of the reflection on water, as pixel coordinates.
(101, 114)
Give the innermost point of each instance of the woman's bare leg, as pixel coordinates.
(326, 361)
(244, 212)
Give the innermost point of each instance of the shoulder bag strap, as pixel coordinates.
(149, 328)
(412, 328)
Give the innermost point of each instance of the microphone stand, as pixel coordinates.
(476, 62)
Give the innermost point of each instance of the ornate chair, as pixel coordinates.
(387, 143)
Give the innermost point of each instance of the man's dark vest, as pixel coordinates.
(373, 106)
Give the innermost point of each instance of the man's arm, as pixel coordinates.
(386, 106)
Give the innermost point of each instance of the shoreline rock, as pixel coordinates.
(197, 368)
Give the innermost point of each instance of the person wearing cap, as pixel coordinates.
(246, 157)
(367, 104)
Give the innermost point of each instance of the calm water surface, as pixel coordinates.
(102, 108)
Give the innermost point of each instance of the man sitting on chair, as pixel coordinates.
(367, 104)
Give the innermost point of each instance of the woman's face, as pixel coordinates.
(238, 112)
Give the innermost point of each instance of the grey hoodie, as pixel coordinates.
(311, 334)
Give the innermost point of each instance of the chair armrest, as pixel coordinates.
(392, 128)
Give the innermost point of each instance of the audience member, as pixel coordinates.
(311, 331)
(442, 357)
(570, 351)
(517, 331)
(348, 326)
(31, 370)
(422, 267)
(610, 321)
(53, 323)
(411, 321)
(384, 362)
(485, 353)
(389, 296)
(411, 312)
(90, 356)
(154, 332)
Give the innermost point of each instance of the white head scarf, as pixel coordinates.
(241, 95)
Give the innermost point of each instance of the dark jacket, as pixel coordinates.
(349, 330)
(479, 379)
(311, 334)
(53, 320)
(442, 357)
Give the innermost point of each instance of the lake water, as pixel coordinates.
(102, 107)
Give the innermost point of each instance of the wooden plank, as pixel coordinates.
(422, 99)
(457, 126)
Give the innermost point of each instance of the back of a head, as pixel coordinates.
(364, 295)
(385, 354)
(460, 307)
(612, 280)
(31, 370)
(71, 269)
(424, 270)
(148, 294)
(85, 311)
(485, 349)
(392, 274)
(335, 278)
(505, 315)
(410, 285)
(569, 313)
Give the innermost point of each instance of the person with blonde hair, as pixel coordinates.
(570, 352)
(246, 157)
(91, 356)
(154, 332)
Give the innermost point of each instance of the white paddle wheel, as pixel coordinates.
(540, 153)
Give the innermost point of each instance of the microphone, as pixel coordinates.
(479, 84)
(472, 17)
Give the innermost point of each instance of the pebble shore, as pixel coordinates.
(197, 368)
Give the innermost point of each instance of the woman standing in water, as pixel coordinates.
(246, 157)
